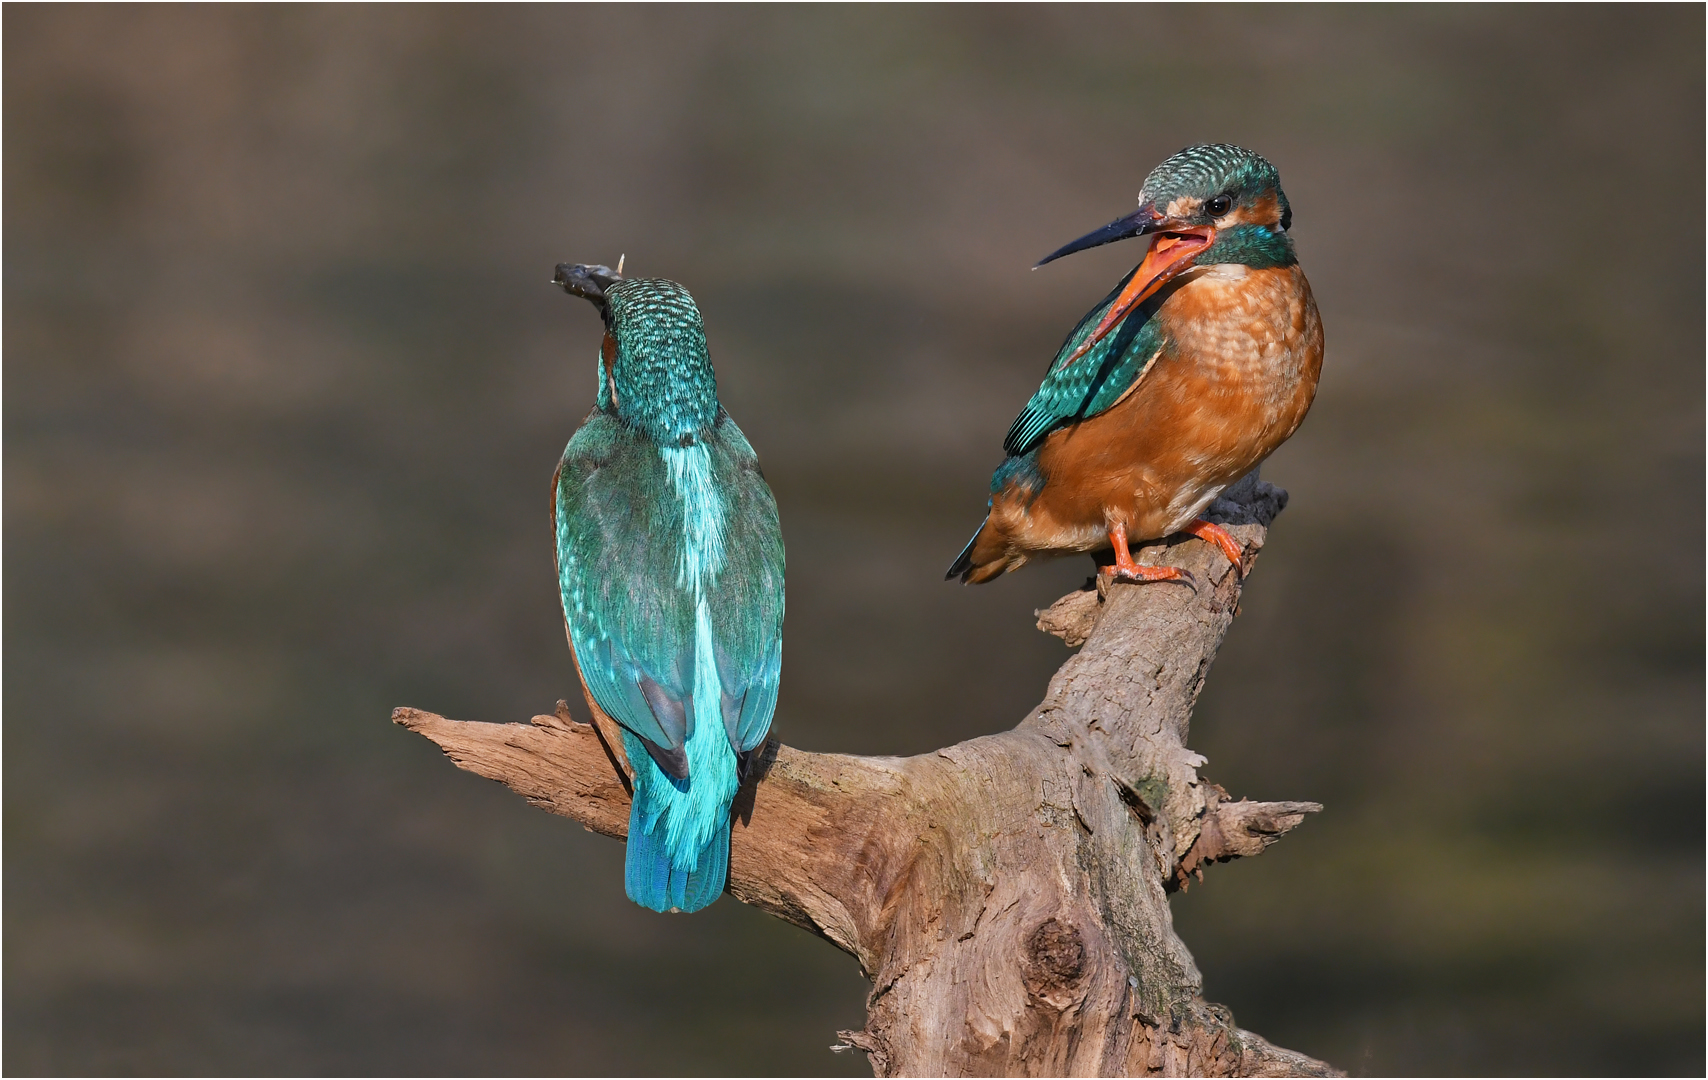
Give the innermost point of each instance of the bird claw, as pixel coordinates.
(1125, 569)
(1223, 540)
(1139, 575)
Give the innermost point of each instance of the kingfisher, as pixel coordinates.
(670, 566)
(1199, 363)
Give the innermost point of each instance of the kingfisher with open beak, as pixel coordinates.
(1199, 364)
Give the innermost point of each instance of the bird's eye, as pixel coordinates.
(1218, 206)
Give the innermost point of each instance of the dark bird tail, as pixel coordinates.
(986, 556)
(964, 561)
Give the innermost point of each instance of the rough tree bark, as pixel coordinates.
(1007, 896)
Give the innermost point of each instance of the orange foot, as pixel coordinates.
(1212, 533)
(1125, 569)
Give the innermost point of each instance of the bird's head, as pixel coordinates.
(1203, 206)
(654, 369)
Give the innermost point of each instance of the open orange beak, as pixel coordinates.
(1172, 251)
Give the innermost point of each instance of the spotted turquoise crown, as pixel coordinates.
(1203, 172)
(662, 371)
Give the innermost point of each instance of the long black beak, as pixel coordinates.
(1139, 222)
(580, 279)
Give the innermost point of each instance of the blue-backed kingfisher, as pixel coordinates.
(670, 566)
(1199, 364)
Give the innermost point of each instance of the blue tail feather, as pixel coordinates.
(650, 880)
(706, 883)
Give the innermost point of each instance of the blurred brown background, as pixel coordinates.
(285, 385)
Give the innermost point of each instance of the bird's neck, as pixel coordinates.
(1257, 246)
(668, 393)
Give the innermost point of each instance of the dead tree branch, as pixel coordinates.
(1006, 895)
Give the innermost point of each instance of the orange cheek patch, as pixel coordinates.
(1263, 210)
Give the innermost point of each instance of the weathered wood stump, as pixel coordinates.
(1007, 896)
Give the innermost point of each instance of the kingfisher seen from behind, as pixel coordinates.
(670, 566)
(1199, 364)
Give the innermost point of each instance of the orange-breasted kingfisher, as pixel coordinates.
(1199, 364)
(670, 566)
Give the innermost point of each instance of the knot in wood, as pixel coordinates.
(1055, 963)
